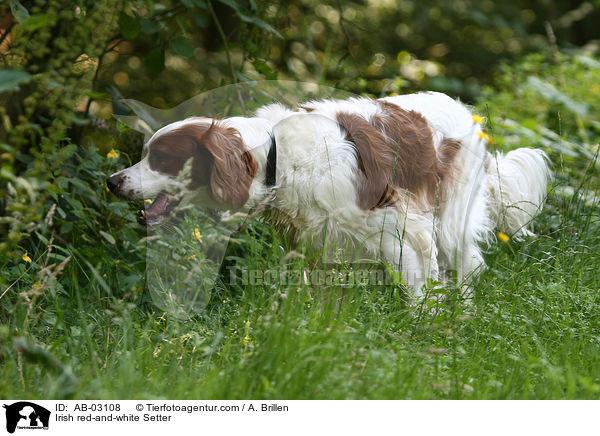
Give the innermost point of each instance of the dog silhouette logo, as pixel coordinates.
(26, 415)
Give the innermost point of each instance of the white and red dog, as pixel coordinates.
(407, 178)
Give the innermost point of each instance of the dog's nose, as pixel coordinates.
(113, 183)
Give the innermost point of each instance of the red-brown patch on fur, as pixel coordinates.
(410, 141)
(221, 160)
(169, 152)
(373, 159)
(396, 150)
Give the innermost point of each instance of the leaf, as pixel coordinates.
(66, 227)
(155, 60)
(18, 11)
(35, 22)
(98, 277)
(79, 121)
(263, 68)
(118, 107)
(588, 61)
(94, 95)
(548, 91)
(11, 79)
(243, 78)
(202, 20)
(148, 26)
(110, 238)
(260, 23)
(129, 26)
(247, 17)
(182, 46)
(118, 208)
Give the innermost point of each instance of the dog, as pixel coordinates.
(406, 178)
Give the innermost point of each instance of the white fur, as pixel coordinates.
(317, 177)
(517, 186)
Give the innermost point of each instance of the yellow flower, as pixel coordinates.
(148, 201)
(247, 338)
(503, 237)
(112, 154)
(483, 135)
(26, 258)
(197, 235)
(478, 119)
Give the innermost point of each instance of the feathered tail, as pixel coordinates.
(517, 189)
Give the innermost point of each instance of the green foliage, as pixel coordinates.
(50, 62)
(250, 16)
(552, 102)
(387, 46)
(128, 26)
(59, 52)
(11, 79)
(182, 47)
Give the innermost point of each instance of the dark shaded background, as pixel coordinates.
(376, 47)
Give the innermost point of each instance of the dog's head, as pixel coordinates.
(197, 157)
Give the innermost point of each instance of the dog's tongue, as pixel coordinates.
(158, 211)
(158, 206)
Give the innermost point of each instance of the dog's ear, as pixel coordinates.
(170, 151)
(233, 166)
(221, 160)
(201, 167)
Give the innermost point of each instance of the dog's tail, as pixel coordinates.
(517, 189)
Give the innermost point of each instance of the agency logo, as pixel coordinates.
(26, 415)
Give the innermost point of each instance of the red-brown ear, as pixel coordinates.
(201, 167)
(233, 167)
(169, 153)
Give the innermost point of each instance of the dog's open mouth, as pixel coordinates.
(159, 211)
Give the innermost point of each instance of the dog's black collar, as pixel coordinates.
(271, 164)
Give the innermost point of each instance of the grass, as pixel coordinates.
(532, 330)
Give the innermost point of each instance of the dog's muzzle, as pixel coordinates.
(113, 183)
